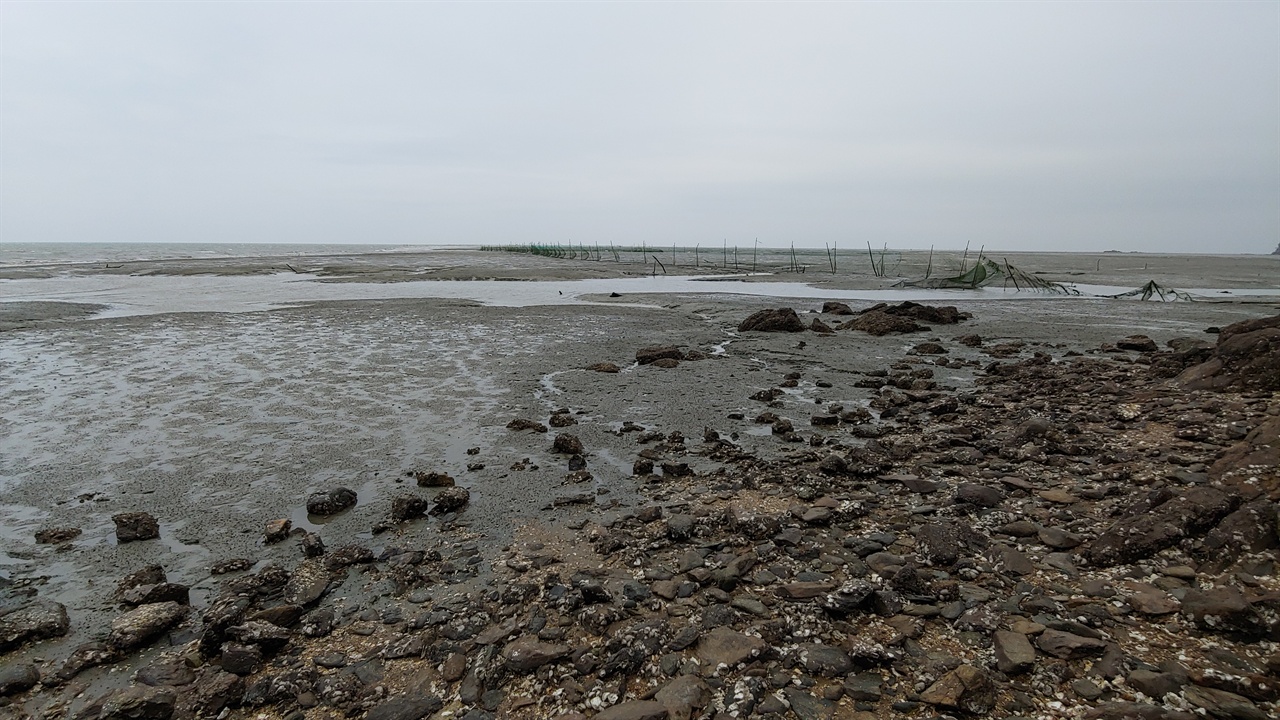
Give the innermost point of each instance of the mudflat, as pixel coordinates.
(771, 524)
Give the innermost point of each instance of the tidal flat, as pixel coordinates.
(780, 524)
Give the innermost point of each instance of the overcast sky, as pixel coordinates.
(1053, 126)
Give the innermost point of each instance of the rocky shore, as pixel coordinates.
(1078, 533)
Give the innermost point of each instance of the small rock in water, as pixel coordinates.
(331, 502)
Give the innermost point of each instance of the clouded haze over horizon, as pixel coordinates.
(1019, 126)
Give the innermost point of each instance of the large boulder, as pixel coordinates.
(779, 320)
(1141, 536)
(1257, 455)
(1247, 358)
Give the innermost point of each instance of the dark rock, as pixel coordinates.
(1138, 343)
(240, 659)
(312, 545)
(331, 502)
(138, 702)
(824, 660)
(408, 507)
(149, 575)
(1250, 529)
(160, 592)
(57, 535)
(966, 688)
(525, 424)
(1135, 711)
(1223, 704)
(212, 691)
(229, 566)
(143, 624)
(1149, 599)
(263, 634)
(779, 320)
(834, 307)
(864, 687)
(1242, 682)
(1155, 685)
(1059, 539)
(1141, 536)
(1223, 609)
(451, 500)
(562, 419)
(35, 620)
(684, 697)
(942, 543)
(16, 677)
(808, 707)
(527, 654)
(406, 707)
(723, 646)
(604, 367)
(820, 327)
(317, 623)
(1247, 357)
(666, 363)
(634, 710)
(647, 356)
(1068, 646)
(879, 323)
(439, 479)
(834, 464)
(90, 654)
(166, 671)
(133, 526)
(276, 530)
(307, 583)
(568, 445)
(1014, 653)
(979, 495)
(805, 590)
(672, 469)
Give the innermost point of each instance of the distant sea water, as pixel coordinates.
(60, 253)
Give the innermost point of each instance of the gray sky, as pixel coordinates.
(1071, 126)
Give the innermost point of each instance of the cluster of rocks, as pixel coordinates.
(1076, 536)
(880, 319)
